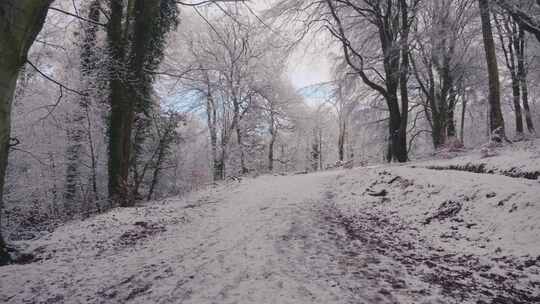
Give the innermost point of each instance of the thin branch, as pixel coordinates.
(55, 81)
(56, 46)
(206, 2)
(31, 155)
(77, 16)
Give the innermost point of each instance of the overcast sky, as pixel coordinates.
(309, 64)
(309, 68)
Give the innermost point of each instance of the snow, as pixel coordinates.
(520, 157)
(206, 251)
(502, 212)
(383, 234)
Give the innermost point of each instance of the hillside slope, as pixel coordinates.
(387, 234)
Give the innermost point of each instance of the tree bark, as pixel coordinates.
(163, 146)
(516, 76)
(20, 23)
(522, 75)
(341, 139)
(120, 107)
(450, 112)
(516, 96)
(508, 36)
(462, 125)
(273, 133)
(130, 85)
(401, 153)
(243, 168)
(76, 121)
(271, 147)
(211, 119)
(495, 113)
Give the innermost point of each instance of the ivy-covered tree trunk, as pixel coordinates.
(136, 40)
(121, 107)
(77, 119)
(20, 23)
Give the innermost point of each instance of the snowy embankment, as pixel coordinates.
(470, 237)
(521, 159)
(387, 234)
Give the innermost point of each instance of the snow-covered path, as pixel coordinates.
(354, 236)
(238, 244)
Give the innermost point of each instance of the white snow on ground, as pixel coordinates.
(198, 250)
(386, 234)
(520, 158)
(498, 214)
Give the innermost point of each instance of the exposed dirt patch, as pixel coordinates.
(483, 168)
(142, 230)
(446, 210)
(454, 278)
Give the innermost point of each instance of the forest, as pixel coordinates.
(109, 104)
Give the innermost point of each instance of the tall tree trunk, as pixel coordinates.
(526, 108)
(438, 132)
(162, 147)
(462, 124)
(237, 128)
(509, 38)
(76, 131)
(93, 159)
(219, 166)
(20, 23)
(391, 67)
(73, 154)
(401, 152)
(522, 75)
(121, 108)
(243, 168)
(394, 130)
(320, 150)
(129, 86)
(211, 120)
(516, 96)
(341, 138)
(397, 70)
(495, 113)
(450, 113)
(273, 134)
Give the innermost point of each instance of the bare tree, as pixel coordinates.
(524, 12)
(508, 33)
(440, 60)
(392, 21)
(513, 41)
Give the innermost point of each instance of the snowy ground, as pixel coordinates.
(521, 159)
(388, 234)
